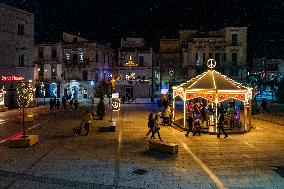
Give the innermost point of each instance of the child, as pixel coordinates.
(198, 126)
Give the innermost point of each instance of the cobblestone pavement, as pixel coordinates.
(122, 159)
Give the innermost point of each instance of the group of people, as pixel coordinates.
(55, 103)
(199, 117)
(154, 126)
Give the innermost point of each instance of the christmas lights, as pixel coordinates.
(25, 94)
(2, 93)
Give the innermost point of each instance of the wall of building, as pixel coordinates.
(16, 49)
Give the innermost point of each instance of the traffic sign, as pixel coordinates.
(115, 104)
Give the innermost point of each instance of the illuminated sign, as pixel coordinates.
(12, 78)
(130, 76)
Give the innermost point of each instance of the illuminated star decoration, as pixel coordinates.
(130, 63)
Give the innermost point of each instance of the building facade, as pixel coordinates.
(228, 46)
(172, 72)
(137, 69)
(86, 65)
(73, 68)
(48, 69)
(16, 49)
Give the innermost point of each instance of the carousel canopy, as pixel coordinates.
(212, 85)
(211, 80)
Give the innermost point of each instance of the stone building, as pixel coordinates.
(86, 65)
(73, 67)
(268, 69)
(228, 46)
(171, 68)
(137, 69)
(48, 69)
(16, 49)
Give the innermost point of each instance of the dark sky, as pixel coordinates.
(111, 19)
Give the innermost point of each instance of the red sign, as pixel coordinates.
(12, 78)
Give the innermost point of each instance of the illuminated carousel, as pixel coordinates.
(215, 88)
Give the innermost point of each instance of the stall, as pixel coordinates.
(215, 88)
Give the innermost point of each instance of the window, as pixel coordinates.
(75, 58)
(21, 60)
(204, 56)
(40, 52)
(210, 55)
(85, 75)
(97, 57)
(234, 59)
(184, 44)
(141, 60)
(234, 39)
(53, 53)
(224, 57)
(217, 57)
(21, 29)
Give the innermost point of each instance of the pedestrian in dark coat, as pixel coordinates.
(156, 128)
(190, 126)
(71, 103)
(57, 104)
(150, 124)
(50, 104)
(221, 125)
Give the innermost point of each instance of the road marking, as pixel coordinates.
(8, 138)
(215, 179)
(250, 145)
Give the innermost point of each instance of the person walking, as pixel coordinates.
(87, 121)
(57, 104)
(51, 104)
(156, 128)
(76, 105)
(64, 102)
(221, 125)
(167, 116)
(150, 124)
(190, 126)
(71, 104)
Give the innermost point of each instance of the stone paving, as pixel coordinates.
(122, 159)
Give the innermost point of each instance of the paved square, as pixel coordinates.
(109, 160)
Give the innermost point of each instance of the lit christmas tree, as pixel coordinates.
(25, 98)
(25, 94)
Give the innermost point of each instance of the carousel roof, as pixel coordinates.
(211, 80)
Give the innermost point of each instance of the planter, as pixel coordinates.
(19, 142)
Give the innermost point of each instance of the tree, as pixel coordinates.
(25, 98)
(101, 104)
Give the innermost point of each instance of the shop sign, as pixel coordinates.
(12, 78)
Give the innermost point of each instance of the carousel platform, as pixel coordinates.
(211, 130)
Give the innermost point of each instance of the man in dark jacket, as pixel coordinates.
(151, 124)
(190, 126)
(221, 125)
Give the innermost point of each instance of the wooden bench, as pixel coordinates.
(163, 147)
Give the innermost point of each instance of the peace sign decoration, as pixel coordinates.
(211, 63)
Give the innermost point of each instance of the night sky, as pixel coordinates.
(108, 20)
